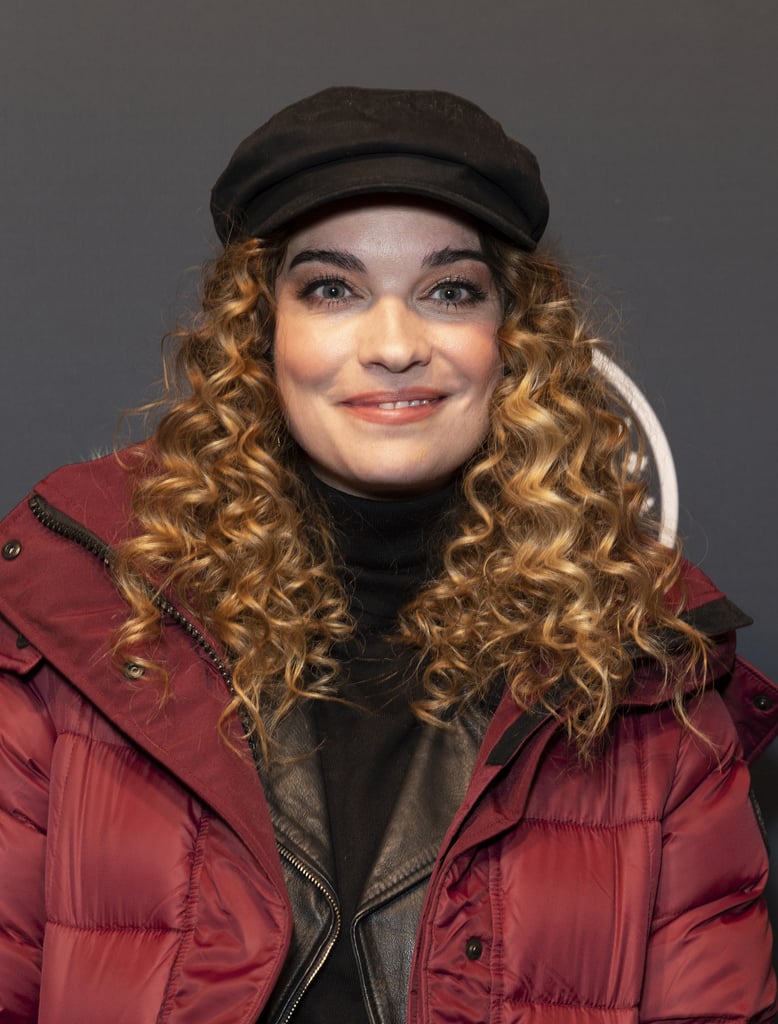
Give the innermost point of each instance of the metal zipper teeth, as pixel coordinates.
(307, 874)
(70, 530)
(101, 550)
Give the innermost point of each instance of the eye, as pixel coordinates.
(452, 293)
(330, 290)
(457, 293)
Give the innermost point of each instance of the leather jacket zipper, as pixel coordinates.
(63, 525)
(298, 865)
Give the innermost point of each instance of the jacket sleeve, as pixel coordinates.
(710, 944)
(26, 744)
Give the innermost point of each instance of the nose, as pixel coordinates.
(394, 337)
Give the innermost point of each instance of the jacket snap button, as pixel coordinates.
(762, 703)
(473, 949)
(11, 550)
(133, 670)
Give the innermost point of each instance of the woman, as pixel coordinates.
(364, 690)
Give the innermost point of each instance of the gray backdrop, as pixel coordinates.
(655, 126)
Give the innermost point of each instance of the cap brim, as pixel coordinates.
(456, 185)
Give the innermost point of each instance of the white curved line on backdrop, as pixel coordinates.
(657, 441)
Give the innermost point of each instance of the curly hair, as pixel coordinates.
(553, 570)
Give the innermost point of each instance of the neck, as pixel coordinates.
(389, 548)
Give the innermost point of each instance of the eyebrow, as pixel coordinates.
(336, 257)
(348, 261)
(442, 257)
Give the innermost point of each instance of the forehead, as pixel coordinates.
(386, 224)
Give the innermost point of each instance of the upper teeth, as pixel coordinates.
(404, 405)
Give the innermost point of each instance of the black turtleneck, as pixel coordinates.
(388, 550)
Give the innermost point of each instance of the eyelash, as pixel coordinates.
(306, 290)
(475, 293)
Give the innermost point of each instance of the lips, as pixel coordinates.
(405, 406)
(404, 397)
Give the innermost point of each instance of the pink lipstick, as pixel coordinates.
(408, 405)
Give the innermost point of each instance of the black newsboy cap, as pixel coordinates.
(344, 142)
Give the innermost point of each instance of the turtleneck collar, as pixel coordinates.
(388, 548)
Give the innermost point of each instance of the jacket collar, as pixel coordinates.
(441, 763)
(715, 617)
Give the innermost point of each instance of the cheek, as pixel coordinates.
(304, 372)
(484, 363)
(291, 386)
(294, 367)
(294, 393)
(306, 356)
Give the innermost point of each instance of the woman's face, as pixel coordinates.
(386, 352)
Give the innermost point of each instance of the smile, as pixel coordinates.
(407, 405)
(395, 411)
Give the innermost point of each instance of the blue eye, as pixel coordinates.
(330, 290)
(452, 293)
(333, 291)
(458, 293)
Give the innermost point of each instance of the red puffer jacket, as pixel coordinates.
(140, 879)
